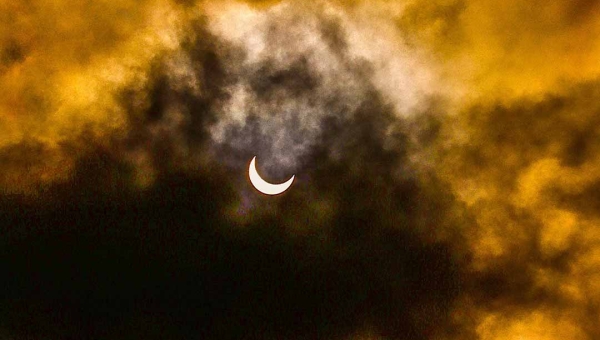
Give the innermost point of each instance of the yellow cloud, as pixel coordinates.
(73, 59)
(539, 325)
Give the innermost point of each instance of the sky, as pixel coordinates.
(445, 153)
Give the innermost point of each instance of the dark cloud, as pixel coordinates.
(98, 255)
(446, 183)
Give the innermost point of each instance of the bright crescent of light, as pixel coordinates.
(264, 186)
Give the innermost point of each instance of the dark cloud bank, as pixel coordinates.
(97, 257)
(366, 242)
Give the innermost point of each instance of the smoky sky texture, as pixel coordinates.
(445, 153)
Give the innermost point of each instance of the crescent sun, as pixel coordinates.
(264, 186)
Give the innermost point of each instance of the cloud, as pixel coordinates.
(505, 51)
(444, 154)
(145, 231)
(63, 66)
(524, 172)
